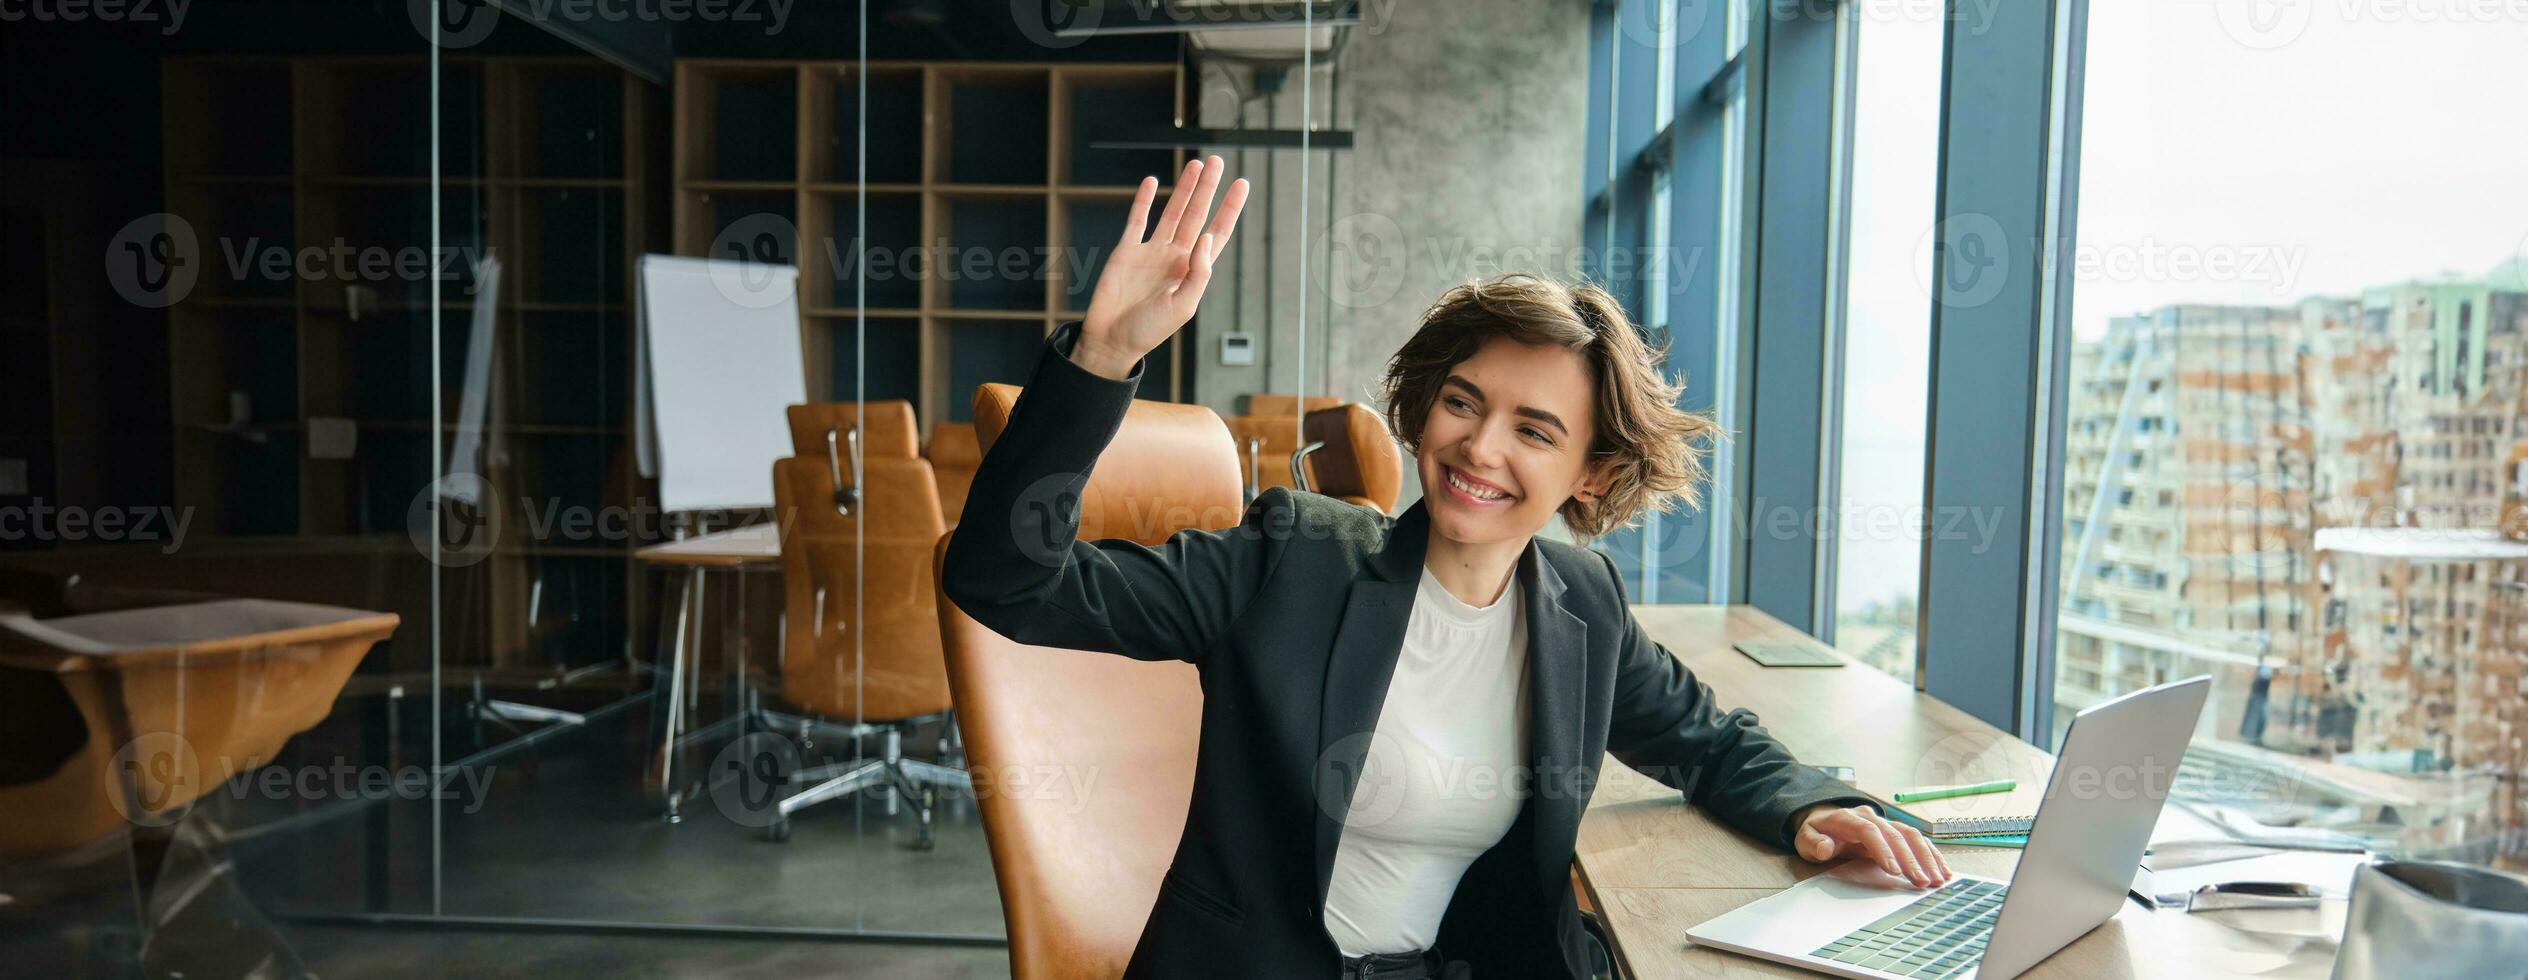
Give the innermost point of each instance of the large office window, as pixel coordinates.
(2294, 404)
(1893, 101)
(1661, 184)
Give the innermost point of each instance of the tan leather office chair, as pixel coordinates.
(1275, 403)
(1079, 871)
(953, 455)
(1265, 445)
(877, 665)
(198, 692)
(1351, 456)
(885, 428)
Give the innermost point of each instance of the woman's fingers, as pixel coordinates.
(1189, 223)
(1137, 221)
(1225, 223)
(1186, 180)
(1933, 862)
(1190, 291)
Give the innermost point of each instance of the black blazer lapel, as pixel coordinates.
(1557, 645)
(1357, 672)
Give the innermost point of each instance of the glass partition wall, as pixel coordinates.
(331, 467)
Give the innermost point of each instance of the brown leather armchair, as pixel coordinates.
(1274, 403)
(200, 691)
(953, 455)
(1355, 458)
(1079, 871)
(878, 665)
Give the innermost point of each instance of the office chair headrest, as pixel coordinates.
(1169, 467)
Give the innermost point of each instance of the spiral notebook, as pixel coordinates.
(2011, 812)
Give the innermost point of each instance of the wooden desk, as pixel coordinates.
(1655, 867)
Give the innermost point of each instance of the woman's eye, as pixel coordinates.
(1537, 434)
(1459, 404)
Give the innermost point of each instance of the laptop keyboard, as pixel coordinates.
(1941, 934)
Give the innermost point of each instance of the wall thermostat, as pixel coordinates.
(1237, 348)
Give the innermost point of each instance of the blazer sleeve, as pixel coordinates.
(1016, 565)
(1667, 725)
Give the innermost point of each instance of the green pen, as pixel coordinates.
(1944, 792)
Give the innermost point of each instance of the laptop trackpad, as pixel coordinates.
(1846, 897)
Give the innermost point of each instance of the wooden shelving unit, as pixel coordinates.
(969, 164)
(543, 165)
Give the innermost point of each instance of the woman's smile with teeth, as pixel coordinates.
(1473, 489)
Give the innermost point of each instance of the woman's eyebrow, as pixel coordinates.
(1538, 414)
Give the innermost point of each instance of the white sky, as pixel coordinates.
(2375, 142)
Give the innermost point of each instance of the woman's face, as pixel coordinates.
(1507, 442)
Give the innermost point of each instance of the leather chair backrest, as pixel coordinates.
(1270, 439)
(953, 455)
(1274, 403)
(1084, 762)
(886, 428)
(1360, 462)
(880, 661)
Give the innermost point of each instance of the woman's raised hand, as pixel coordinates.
(1156, 277)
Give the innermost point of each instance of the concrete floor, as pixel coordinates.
(562, 832)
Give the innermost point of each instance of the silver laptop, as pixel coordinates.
(2100, 805)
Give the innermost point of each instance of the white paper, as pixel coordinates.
(722, 366)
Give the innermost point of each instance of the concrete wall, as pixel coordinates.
(1468, 117)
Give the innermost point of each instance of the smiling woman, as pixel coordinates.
(1347, 655)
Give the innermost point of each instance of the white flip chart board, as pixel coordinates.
(719, 366)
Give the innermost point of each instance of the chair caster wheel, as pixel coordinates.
(778, 831)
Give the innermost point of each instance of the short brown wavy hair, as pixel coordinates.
(1651, 450)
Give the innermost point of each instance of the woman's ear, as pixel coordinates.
(1593, 482)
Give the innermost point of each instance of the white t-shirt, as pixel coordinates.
(1442, 779)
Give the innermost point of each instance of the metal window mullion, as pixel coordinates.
(1998, 342)
(1783, 445)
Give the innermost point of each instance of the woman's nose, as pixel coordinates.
(1483, 449)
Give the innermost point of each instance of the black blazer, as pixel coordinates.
(1294, 619)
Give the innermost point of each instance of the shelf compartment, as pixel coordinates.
(894, 358)
(573, 239)
(896, 261)
(895, 126)
(1099, 100)
(383, 111)
(575, 369)
(994, 254)
(741, 123)
(741, 214)
(990, 126)
(572, 118)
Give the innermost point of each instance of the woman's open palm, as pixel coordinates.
(1152, 284)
